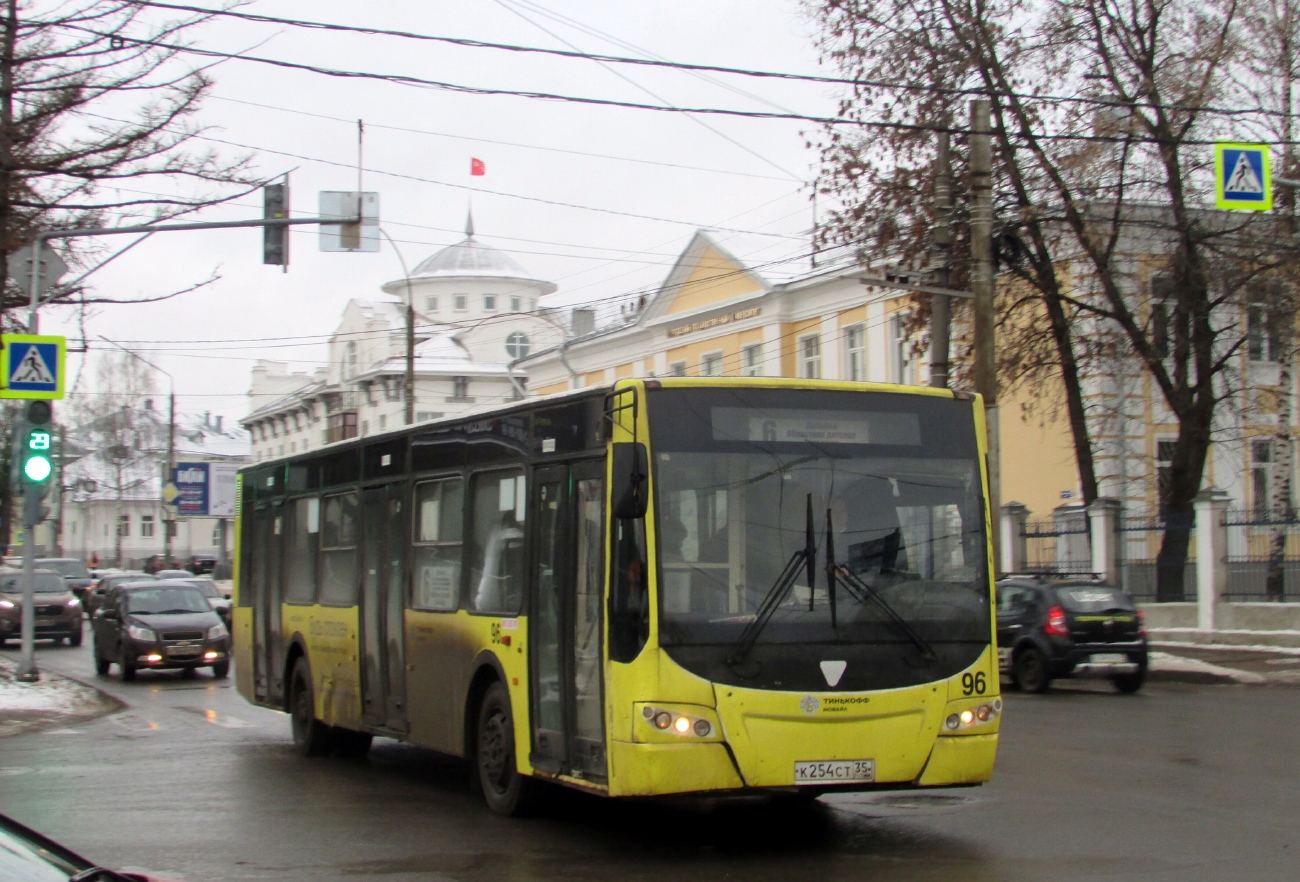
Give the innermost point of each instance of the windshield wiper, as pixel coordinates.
(864, 593)
(806, 558)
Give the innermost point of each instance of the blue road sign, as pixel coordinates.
(33, 366)
(1243, 178)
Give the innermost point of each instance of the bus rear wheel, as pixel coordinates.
(506, 791)
(311, 737)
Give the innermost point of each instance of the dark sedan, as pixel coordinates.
(1070, 628)
(159, 625)
(72, 570)
(95, 599)
(58, 611)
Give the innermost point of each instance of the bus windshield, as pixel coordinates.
(893, 485)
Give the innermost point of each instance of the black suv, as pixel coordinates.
(1069, 628)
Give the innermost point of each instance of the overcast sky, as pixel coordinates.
(754, 179)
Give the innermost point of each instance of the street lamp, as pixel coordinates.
(408, 383)
(171, 440)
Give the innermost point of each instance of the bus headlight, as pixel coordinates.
(670, 724)
(974, 715)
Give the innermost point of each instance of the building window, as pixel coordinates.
(461, 302)
(423, 416)
(712, 365)
(431, 304)
(124, 525)
(1263, 325)
(751, 360)
(350, 367)
(460, 388)
(810, 357)
(1261, 457)
(489, 303)
(855, 353)
(1162, 287)
(517, 345)
(902, 351)
(677, 369)
(340, 427)
(146, 526)
(293, 446)
(516, 304)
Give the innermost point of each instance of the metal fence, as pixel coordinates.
(1140, 542)
(1258, 543)
(1057, 547)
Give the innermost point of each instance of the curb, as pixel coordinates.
(21, 722)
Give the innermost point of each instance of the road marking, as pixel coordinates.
(223, 720)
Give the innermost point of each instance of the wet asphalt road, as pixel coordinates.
(1181, 782)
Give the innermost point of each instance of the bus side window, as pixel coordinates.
(497, 564)
(301, 547)
(629, 599)
(339, 550)
(439, 511)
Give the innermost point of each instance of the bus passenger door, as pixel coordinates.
(268, 641)
(565, 621)
(383, 656)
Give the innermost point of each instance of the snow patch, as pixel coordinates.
(1163, 661)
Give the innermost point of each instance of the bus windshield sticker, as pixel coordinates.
(815, 426)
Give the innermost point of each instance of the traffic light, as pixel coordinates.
(275, 240)
(36, 460)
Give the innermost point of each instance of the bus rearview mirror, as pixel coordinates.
(629, 486)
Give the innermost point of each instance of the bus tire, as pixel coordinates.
(505, 790)
(311, 737)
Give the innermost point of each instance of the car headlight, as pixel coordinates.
(6, 604)
(216, 632)
(74, 602)
(145, 635)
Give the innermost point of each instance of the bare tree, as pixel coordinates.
(1103, 112)
(117, 437)
(97, 124)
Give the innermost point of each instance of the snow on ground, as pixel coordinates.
(52, 699)
(1163, 662)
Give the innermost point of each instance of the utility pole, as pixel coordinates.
(169, 525)
(981, 237)
(941, 248)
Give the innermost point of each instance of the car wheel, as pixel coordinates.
(1130, 683)
(128, 669)
(76, 638)
(348, 742)
(57, 641)
(506, 791)
(221, 670)
(311, 737)
(188, 673)
(1030, 670)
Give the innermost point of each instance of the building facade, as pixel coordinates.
(475, 312)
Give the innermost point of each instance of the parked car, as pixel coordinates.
(216, 599)
(159, 625)
(1069, 628)
(72, 570)
(95, 598)
(58, 610)
(174, 574)
(201, 564)
(26, 854)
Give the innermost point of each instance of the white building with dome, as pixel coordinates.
(476, 312)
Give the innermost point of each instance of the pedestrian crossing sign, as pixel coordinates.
(32, 366)
(1243, 180)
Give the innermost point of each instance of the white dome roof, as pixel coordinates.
(470, 257)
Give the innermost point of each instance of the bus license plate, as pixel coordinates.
(835, 772)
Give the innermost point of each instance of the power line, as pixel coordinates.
(704, 68)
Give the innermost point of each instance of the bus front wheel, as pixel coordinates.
(311, 737)
(506, 791)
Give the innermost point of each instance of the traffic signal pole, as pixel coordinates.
(33, 490)
(34, 472)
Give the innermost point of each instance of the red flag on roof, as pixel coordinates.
(476, 167)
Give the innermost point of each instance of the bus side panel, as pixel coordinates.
(330, 634)
(241, 622)
(443, 655)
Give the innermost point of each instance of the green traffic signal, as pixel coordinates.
(36, 456)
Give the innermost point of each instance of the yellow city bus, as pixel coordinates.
(706, 586)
